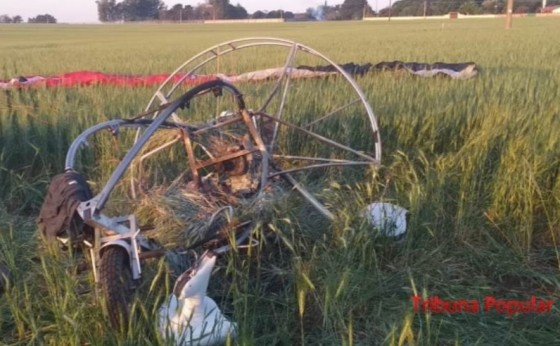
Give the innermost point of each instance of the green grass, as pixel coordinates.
(476, 162)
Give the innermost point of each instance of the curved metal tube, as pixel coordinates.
(81, 140)
(113, 125)
(98, 202)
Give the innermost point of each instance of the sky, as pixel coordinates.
(85, 11)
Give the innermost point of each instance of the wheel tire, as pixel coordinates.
(58, 215)
(116, 281)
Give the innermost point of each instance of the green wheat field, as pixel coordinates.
(476, 162)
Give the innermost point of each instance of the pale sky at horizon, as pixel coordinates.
(85, 11)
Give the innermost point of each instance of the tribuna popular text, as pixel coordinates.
(436, 305)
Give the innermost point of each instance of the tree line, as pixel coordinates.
(440, 7)
(140, 10)
(42, 18)
(146, 10)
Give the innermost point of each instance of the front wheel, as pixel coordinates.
(116, 284)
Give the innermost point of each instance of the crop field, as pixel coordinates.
(476, 162)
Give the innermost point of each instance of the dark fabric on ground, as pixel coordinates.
(58, 212)
(357, 69)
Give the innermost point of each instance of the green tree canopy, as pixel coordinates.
(222, 9)
(42, 19)
(4, 18)
(438, 7)
(354, 9)
(108, 10)
(129, 10)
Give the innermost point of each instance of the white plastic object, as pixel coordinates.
(387, 218)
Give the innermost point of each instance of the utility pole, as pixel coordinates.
(543, 3)
(509, 13)
(425, 8)
(390, 9)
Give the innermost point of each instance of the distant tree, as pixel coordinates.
(528, 6)
(188, 13)
(258, 15)
(407, 8)
(219, 8)
(138, 10)
(42, 19)
(203, 12)
(369, 12)
(108, 11)
(354, 9)
(446, 7)
(164, 13)
(236, 12)
(440, 7)
(17, 19)
(130, 10)
(469, 7)
(274, 14)
(222, 9)
(175, 13)
(289, 15)
(385, 12)
(489, 6)
(412, 10)
(4, 19)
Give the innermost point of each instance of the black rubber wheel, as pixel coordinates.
(116, 283)
(58, 216)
